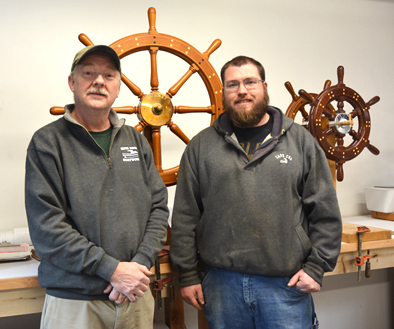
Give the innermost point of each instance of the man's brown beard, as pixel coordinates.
(250, 118)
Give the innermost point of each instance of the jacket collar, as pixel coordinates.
(113, 116)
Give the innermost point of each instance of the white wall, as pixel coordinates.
(300, 41)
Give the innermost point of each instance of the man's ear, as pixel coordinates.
(71, 82)
(118, 92)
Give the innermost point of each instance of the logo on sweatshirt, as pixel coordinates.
(130, 153)
(283, 158)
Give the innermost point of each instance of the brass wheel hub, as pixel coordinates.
(155, 109)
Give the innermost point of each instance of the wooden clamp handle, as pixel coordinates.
(368, 267)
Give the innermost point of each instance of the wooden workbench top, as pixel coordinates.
(23, 274)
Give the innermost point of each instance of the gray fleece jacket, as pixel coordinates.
(271, 215)
(88, 211)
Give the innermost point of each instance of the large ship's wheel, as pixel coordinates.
(341, 123)
(155, 109)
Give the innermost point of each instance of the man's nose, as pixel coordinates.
(241, 89)
(99, 80)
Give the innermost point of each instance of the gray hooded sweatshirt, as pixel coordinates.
(88, 211)
(271, 215)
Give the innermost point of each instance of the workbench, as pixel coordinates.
(381, 251)
(19, 290)
(21, 294)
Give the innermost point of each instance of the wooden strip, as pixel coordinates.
(174, 313)
(202, 321)
(380, 258)
(21, 301)
(18, 283)
(348, 247)
(382, 215)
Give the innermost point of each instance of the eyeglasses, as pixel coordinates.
(249, 84)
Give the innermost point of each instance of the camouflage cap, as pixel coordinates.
(96, 49)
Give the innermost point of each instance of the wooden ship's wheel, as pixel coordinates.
(330, 126)
(155, 109)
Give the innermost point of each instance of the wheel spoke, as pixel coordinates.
(191, 109)
(356, 112)
(148, 134)
(214, 45)
(330, 115)
(373, 101)
(152, 20)
(139, 126)
(58, 110)
(156, 141)
(372, 149)
(340, 173)
(340, 141)
(175, 88)
(329, 131)
(154, 78)
(308, 97)
(340, 73)
(304, 113)
(327, 84)
(340, 106)
(126, 109)
(354, 134)
(178, 132)
(85, 39)
(133, 87)
(290, 89)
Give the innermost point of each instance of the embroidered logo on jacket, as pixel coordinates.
(283, 158)
(130, 153)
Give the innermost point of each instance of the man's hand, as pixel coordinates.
(115, 295)
(131, 280)
(304, 282)
(190, 293)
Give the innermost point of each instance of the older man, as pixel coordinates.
(96, 206)
(255, 202)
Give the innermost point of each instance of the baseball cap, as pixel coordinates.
(96, 49)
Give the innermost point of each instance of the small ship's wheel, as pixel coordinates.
(340, 122)
(155, 109)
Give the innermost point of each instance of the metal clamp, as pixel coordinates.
(360, 259)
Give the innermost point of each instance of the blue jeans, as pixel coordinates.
(235, 300)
